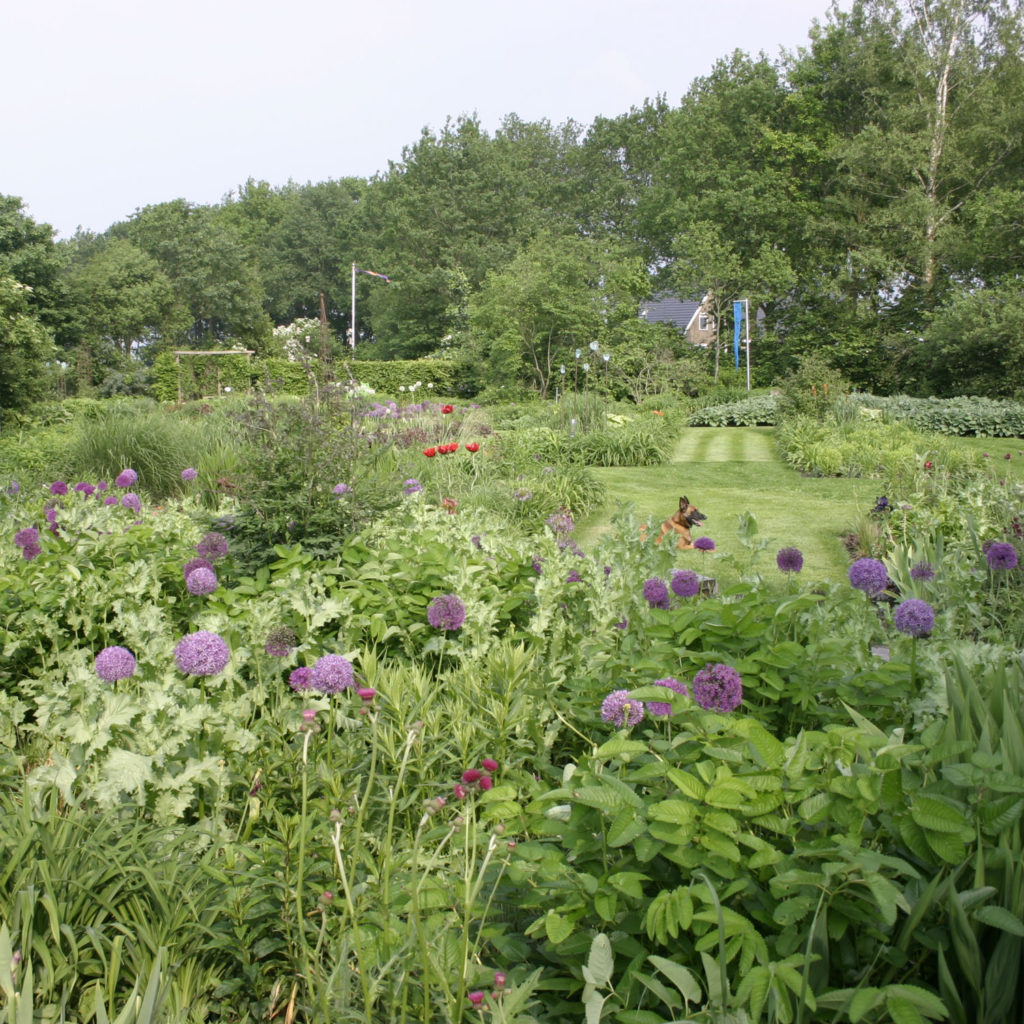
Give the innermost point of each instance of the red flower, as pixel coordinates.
(474, 447)
(927, 465)
(471, 775)
(430, 452)
(447, 409)
(490, 764)
(485, 783)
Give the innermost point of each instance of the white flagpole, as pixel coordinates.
(746, 309)
(352, 340)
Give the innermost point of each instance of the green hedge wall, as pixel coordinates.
(199, 376)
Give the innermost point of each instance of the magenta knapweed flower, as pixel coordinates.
(869, 575)
(685, 583)
(489, 764)
(620, 710)
(126, 478)
(1001, 555)
(471, 775)
(113, 663)
(280, 642)
(30, 535)
(301, 679)
(189, 474)
(366, 694)
(341, 489)
(657, 707)
(790, 560)
(332, 673)
(459, 791)
(58, 487)
(915, 617)
(922, 571)
(717, 688)
(500, 978)
(486, 782)
(446, 612)
(214, 545)
(201, 581)
(656, 593)
(131, 500)
(202, 654)
(704, 544)
(476, 998)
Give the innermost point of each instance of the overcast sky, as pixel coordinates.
(110, 105)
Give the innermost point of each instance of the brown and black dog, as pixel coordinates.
(681, 521)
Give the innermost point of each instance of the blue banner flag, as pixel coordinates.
(737, 316)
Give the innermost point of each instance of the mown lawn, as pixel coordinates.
(728, 471)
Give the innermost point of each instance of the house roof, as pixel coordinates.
(667, 309)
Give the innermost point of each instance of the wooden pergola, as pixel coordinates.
(247, 352)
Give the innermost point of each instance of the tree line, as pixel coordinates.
(865, 194)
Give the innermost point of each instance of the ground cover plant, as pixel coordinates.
(465, 761)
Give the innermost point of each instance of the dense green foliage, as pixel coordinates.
(863, 194)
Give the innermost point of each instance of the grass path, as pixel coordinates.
(727, 471)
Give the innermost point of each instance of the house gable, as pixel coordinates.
(690, 317)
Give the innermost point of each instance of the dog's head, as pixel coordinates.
(689, 512)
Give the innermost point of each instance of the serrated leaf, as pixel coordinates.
(625, 828)
(1000, 917)
(902, 1012)
(675, 812)
(687, 784)
(619, 745)
(936, 816)
(688, 986)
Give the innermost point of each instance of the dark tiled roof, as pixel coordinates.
(667, 309)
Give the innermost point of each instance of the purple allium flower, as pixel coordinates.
(621, 624)
(280, 642)
(196, 563)
(13, 488)
(657, 707)
(189, 474)
(1001, 555)
(201, 581)
(214, 545)
(30, 551)
(685, 583)
(446, 612)
(113, 663)
(30, 535)
(522, 494)
(704, 544)
(110, 499)
(202, 654)
(574, 577)
(84, 488)
(331, 674)
(341, 489)
(58, 487)
(412, 486)
(561, 522)
(656, 593)
(869, 575)
(922, 571)
(717, 688)
(618, 709)
(476, 542)
(538, 565)
(131, 500)
(301, 679)
(101, 485)
(790, 560)
(915, 617)
(126, 478)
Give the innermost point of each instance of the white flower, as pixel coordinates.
(401, 387)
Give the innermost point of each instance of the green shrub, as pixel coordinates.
(759, 411)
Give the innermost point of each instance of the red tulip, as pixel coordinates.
(447, 408)
(472, 447)
(430, 452)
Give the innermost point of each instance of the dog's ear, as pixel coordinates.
(683, 503)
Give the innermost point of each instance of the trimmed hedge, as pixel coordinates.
(758, 411)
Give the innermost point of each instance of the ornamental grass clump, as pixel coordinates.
(114, 663)
(202, 654)
(717, 688)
